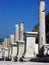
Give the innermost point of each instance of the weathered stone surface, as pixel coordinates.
(11, 38)
(21, 31)
(5, 43)
(30, 40)
(20, 49)
(6, 52)
(42, 35)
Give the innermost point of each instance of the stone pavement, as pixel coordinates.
(21, 63)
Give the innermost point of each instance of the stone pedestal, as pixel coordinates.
(13, 51)
(30, 40)
(0, 50)
(20, 49)
(6, 53)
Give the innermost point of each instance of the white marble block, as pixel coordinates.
(6, 52)
(36, 49)
(11, 38)
(20, 49)
(14, 50)
(30, 41)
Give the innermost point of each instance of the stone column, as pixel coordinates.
(21, 31)
(8, 41)
(16, 35)
(21, 42)
(5, 49)
(5, 42)
(12, 39)
(42, 36)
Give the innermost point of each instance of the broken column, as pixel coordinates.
(21, 41)
(42, 36)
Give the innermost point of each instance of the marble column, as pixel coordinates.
(16, 34)
(12, 39)
(42, 35)
(5, 49)
(5, 42)
(21, 41)
(21, 31)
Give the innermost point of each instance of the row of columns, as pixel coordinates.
(11, 43)
(18, 35)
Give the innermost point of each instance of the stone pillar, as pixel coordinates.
(16, 38)
(5, 42)
(5, 49)
(42, 36)
(21, 31)
(8, 41)
(21, 42)
(16, 35)
(11, 38)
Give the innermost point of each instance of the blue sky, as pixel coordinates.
(15, 11)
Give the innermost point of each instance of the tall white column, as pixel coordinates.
(16, 35)
(21, 31)
(42, 36)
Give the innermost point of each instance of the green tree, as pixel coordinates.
(47, 27)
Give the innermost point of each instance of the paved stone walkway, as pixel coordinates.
(21, 63)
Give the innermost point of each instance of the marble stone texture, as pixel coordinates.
(46, 49)
(14, 50)
(11, 38)
(42, 35)
(21, 31)
(20, 49)
(6, 52)
(30, 38)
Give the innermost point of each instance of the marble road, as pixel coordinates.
(21, 63)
